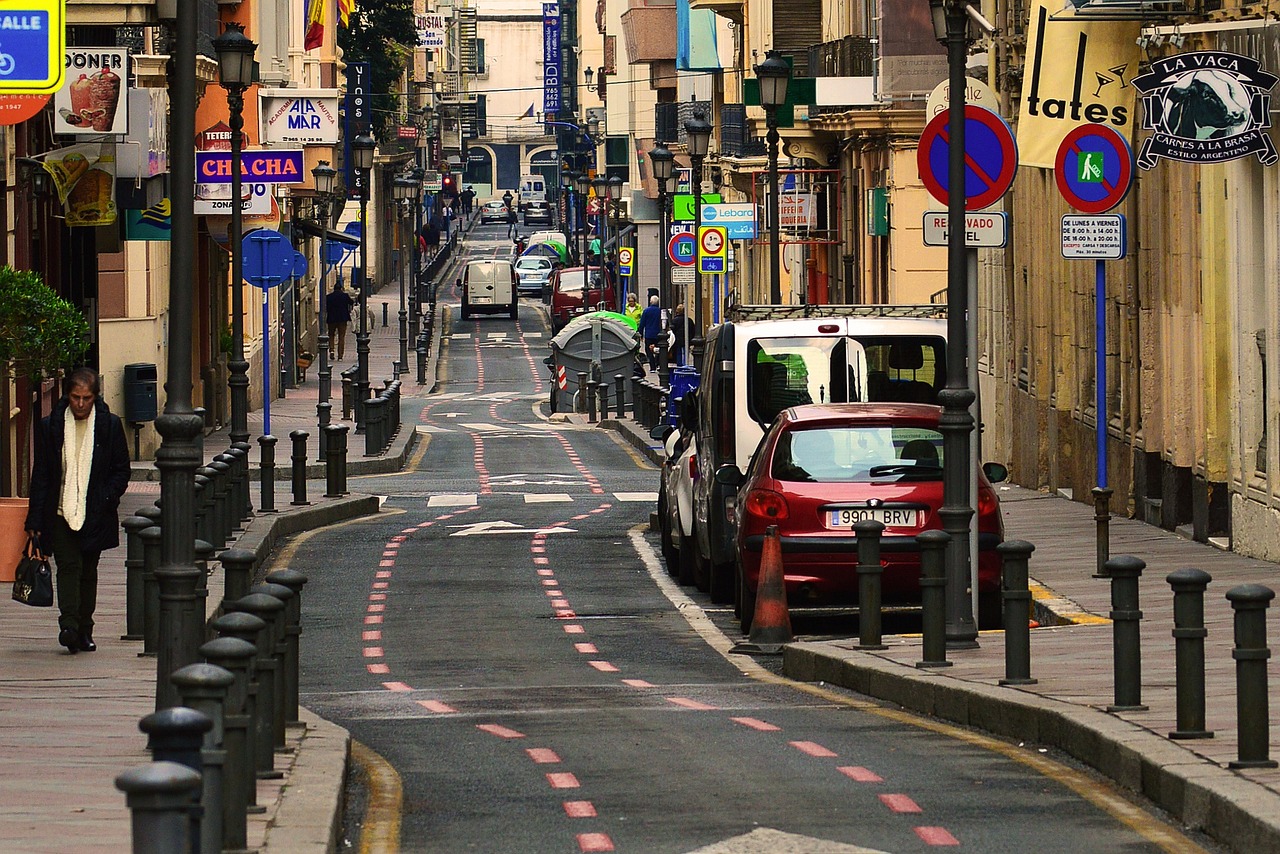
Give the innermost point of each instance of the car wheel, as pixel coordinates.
(514, 311)
(701, 571)
(670, 553)
(746, 602)
(721, 582)
(990, 610)
(688, 560)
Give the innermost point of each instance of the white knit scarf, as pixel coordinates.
(76, 464)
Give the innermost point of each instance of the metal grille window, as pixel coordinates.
(735, 135)
(666, 121)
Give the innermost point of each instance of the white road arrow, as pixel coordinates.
(501, 527)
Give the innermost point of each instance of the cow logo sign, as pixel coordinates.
(1206, 107)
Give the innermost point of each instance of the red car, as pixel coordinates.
(820, 469)
(578, 290)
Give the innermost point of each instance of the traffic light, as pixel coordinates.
(446, 184)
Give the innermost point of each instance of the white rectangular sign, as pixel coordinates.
(738, 219)
(795, 210)
(683, 276)
(431, 30)
(95, 96)
(306, 116)
(215, 199)
(981, 230)
(1094, 238)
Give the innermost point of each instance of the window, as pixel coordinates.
(858, 454)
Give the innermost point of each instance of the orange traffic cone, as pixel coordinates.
(771, 624)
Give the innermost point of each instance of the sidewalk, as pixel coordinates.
(1066, 708)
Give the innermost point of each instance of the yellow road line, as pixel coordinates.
(380, 831)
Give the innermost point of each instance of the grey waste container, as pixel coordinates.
(140, 392)
(597, 346)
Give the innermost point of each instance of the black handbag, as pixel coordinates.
(33, 580)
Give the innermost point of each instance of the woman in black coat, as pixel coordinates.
(75, 499)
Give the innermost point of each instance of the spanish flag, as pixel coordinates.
(345, 8)
(315, 24)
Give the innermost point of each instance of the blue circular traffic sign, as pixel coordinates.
(990, 157)
(268, 258)
(682, 249)
(1094, 168)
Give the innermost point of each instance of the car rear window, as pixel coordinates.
(571, 283)
(858, 454)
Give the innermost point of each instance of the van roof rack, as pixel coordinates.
(738, 312)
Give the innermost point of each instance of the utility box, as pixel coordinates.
(600, 347)
(683, 379)
(140, 392)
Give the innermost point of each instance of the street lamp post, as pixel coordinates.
(950, 22)
(601, 185)
(362, 156)
(615, 202)
(661, 160)
(583, 181)
(566, 196)
(698, 133)
(235, 72)
(773, 74)
(402, 191)
(325, 176)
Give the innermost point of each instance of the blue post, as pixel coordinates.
(1100, 378)
(266, 366)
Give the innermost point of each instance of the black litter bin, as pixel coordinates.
(140, 392)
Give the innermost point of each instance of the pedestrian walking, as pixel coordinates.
(337, 313)
(78, 475)
(633, 309)
(511, 222)
(651, 330)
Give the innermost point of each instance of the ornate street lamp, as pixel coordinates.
(601, 185)
(362, 159)
(235, 72)
(698, 140)
(773, 74)
(950, 22)
(325, 177)
(583, 180)
(402, 190)
(661, 160)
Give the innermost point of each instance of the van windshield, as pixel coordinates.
(571, 282)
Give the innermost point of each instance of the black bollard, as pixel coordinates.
(295, 581)
(267, 609)
(933, 598)
(134, 592)
(203, 687)
(421, 352)
(620, 395)
(384, 315)
(1253, 715)
(374, 418)
(221, 489)
(159, 796)
(348, 393)
(176, 734)
(580, 401)
(241, 506)
(237, 574)
(1102, 518)
(870, 573)
(1124, 572)
(207, 518)
(1189, 633)
(324, 415)
(204, 554)
(280, 654)
(246, 628)
(299, 472)
(336, 463)
(150, 589)
(1015, 577)
(591, 401)
(235, 657)
(267, 466)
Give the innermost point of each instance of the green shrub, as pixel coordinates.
(40, 332)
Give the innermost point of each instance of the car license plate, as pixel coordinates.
(890, 517)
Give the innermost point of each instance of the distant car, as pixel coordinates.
(493, 211)
(539, 212)
(820, 469)
(578, 290)
(534, 272)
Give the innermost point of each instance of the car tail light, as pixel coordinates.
(766, 504)
(988, 510)
(693, 467)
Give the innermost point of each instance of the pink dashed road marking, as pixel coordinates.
(382, 573)
(603, 666)
(400, 538)
(377, 597)
(538, 549)
(936, 836)
(376, 609)
(685, 702)
(564, 614)
(549, 582)
(390, 552)
(373, 620)
(397, 686)
(594, 842)
(543, 755)
(860, 774)
(373, 652)
(559, 603)
(373, 634)
(900, 803)
(579, 809)
(437, 706)
(637, 683)
(573, 629)
(585, 647)
(386, 563)
(499, 730)
(378, 669)
(554, 593)
(562, 780)
(546, 572)
(381, 585)
(811, 748)
(541, 561)
(756, 724)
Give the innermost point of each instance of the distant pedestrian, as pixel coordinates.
(633, 309)
(468, 199)
(337, 313)
(511, 222)
(651, 331)
(79, 473)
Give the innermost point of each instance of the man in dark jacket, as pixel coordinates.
(80, 472)
(651, 330)
(337, 313)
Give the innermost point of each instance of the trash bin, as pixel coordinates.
(600, 347)
(140, 392)
(683, 380)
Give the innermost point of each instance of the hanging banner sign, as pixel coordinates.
(95, 90)
(431, 30)
(1206, 107)
(358, 117)
(551, 57)
(307, 117)
(256, 199)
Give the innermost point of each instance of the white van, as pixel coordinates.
(764, 359)
(533, 188)
(489, 287)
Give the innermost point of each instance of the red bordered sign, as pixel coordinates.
(990, 156)
(1094, 168)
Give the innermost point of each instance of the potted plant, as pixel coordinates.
(41, 334)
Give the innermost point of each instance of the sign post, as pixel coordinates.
(269, 259)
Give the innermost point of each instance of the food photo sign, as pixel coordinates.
(93, 95)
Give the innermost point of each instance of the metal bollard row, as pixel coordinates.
(348, 391)
(336, 460)
(1015, 589)
(298, 471)
(591, 401)
(620, 395)
(870, 574)
(267, 466)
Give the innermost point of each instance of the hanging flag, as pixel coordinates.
(527, 114)
(789, 183)
(315, 24)
(345, 8)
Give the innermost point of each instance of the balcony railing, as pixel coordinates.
(735, 134)
(851, 56)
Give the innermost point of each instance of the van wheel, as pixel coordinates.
(701, 571)
(721, 582)
(746, 601)
(670, 553)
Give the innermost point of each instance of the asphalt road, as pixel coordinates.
(506, 643)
